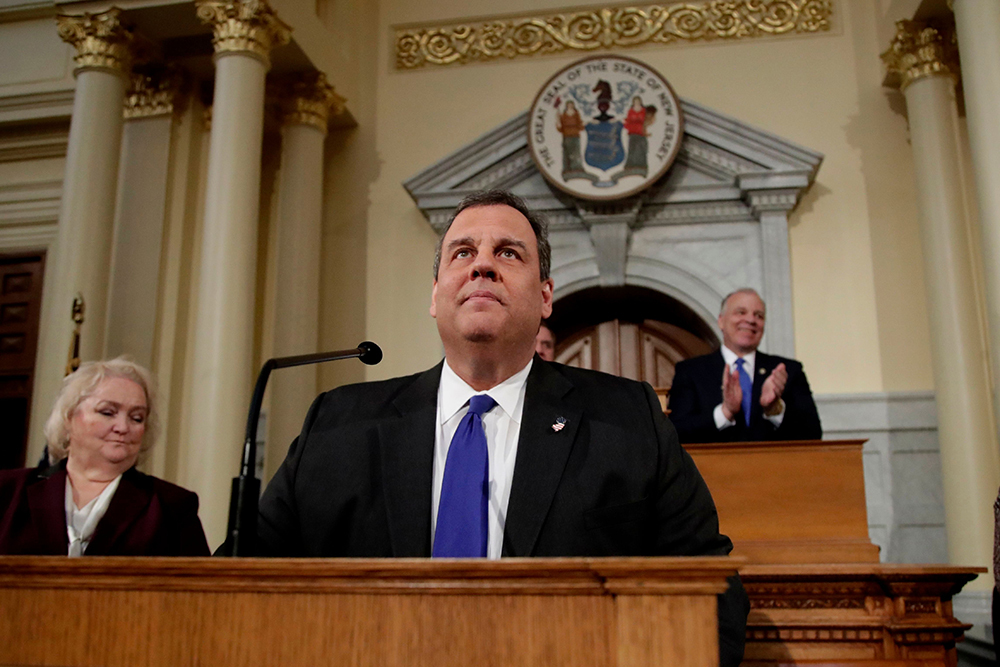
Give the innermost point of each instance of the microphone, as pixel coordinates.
(242, 531)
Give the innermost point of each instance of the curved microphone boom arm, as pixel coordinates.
(242, 531)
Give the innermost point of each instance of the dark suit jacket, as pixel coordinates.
(146, 516)
(697, 389)
(613, 482)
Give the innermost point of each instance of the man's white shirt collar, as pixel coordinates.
(749, 360)
(455, 393)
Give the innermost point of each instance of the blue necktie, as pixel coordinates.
(462, 521)
(746, 384)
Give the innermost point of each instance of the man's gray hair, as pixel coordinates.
(504, 198)
(742, 290)
(80, 385)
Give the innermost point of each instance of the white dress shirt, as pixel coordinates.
(749, 363)
(502, 425)
(81, 523)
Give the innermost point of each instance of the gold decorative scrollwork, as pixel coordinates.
(920, 49)
(307, 99)
(249, 26)
(607, 27)
(153, 93)
(101, 40)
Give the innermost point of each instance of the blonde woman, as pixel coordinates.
(92, 500)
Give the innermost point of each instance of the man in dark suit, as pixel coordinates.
(760, 396)
(494, 452)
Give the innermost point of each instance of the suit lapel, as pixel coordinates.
(542, 453)
(762, 369)
(131, 498)
(716, 364)
(407, 446)
(47, 507)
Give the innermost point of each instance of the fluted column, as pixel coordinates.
(244, 33)
(924, 63)
(307, 102)
(82, 250)
(978, 27)
(143, 182)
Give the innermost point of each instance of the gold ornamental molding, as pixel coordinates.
(306, 99)
(608, 27)
(920, 49)
(243, 26)
(101, 40)
(154, 94)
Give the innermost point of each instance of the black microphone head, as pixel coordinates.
(371, 353)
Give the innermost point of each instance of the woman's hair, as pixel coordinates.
(79, 385)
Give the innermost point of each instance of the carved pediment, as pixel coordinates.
(721, 173)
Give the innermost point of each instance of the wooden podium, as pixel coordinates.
(221, 612)
(818, 595)
(800, 501)
(794, 510)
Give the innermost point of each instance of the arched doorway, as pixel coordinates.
(634, 332)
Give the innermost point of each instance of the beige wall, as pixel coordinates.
(856, 270)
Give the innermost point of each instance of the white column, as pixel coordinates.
(224, 321)
(978, 26)
(81, 253)
(143, 182)
(300, 201)
(970, 463)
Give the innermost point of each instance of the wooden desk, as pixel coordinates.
(220, 612)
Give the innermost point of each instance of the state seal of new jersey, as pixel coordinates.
(605, 128)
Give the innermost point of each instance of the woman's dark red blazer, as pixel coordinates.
(146, 516)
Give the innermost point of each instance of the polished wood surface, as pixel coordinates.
(859, 615)
(790, 502)
(187, 611)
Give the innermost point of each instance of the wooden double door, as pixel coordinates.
(646, 350)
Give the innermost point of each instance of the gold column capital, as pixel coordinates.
(101, 40)
(154, 93)
(306, 99)
(920, 49)
(243, 26)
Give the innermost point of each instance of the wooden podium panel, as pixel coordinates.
(790, 502)
(853, 615)
(219, 612)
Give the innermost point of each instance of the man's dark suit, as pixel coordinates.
(613, 482)
(697, 389)
(146, 516)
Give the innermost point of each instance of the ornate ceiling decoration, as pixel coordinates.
(610, 27)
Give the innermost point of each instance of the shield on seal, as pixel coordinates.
(604, 144)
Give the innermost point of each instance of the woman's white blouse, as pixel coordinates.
(81, 523)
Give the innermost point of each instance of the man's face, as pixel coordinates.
(545, 344)
(742, 322)
(488, 287)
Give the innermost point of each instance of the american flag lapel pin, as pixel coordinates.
(559, 425)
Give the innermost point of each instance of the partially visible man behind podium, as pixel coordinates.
(495, 452)
(738, 393)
